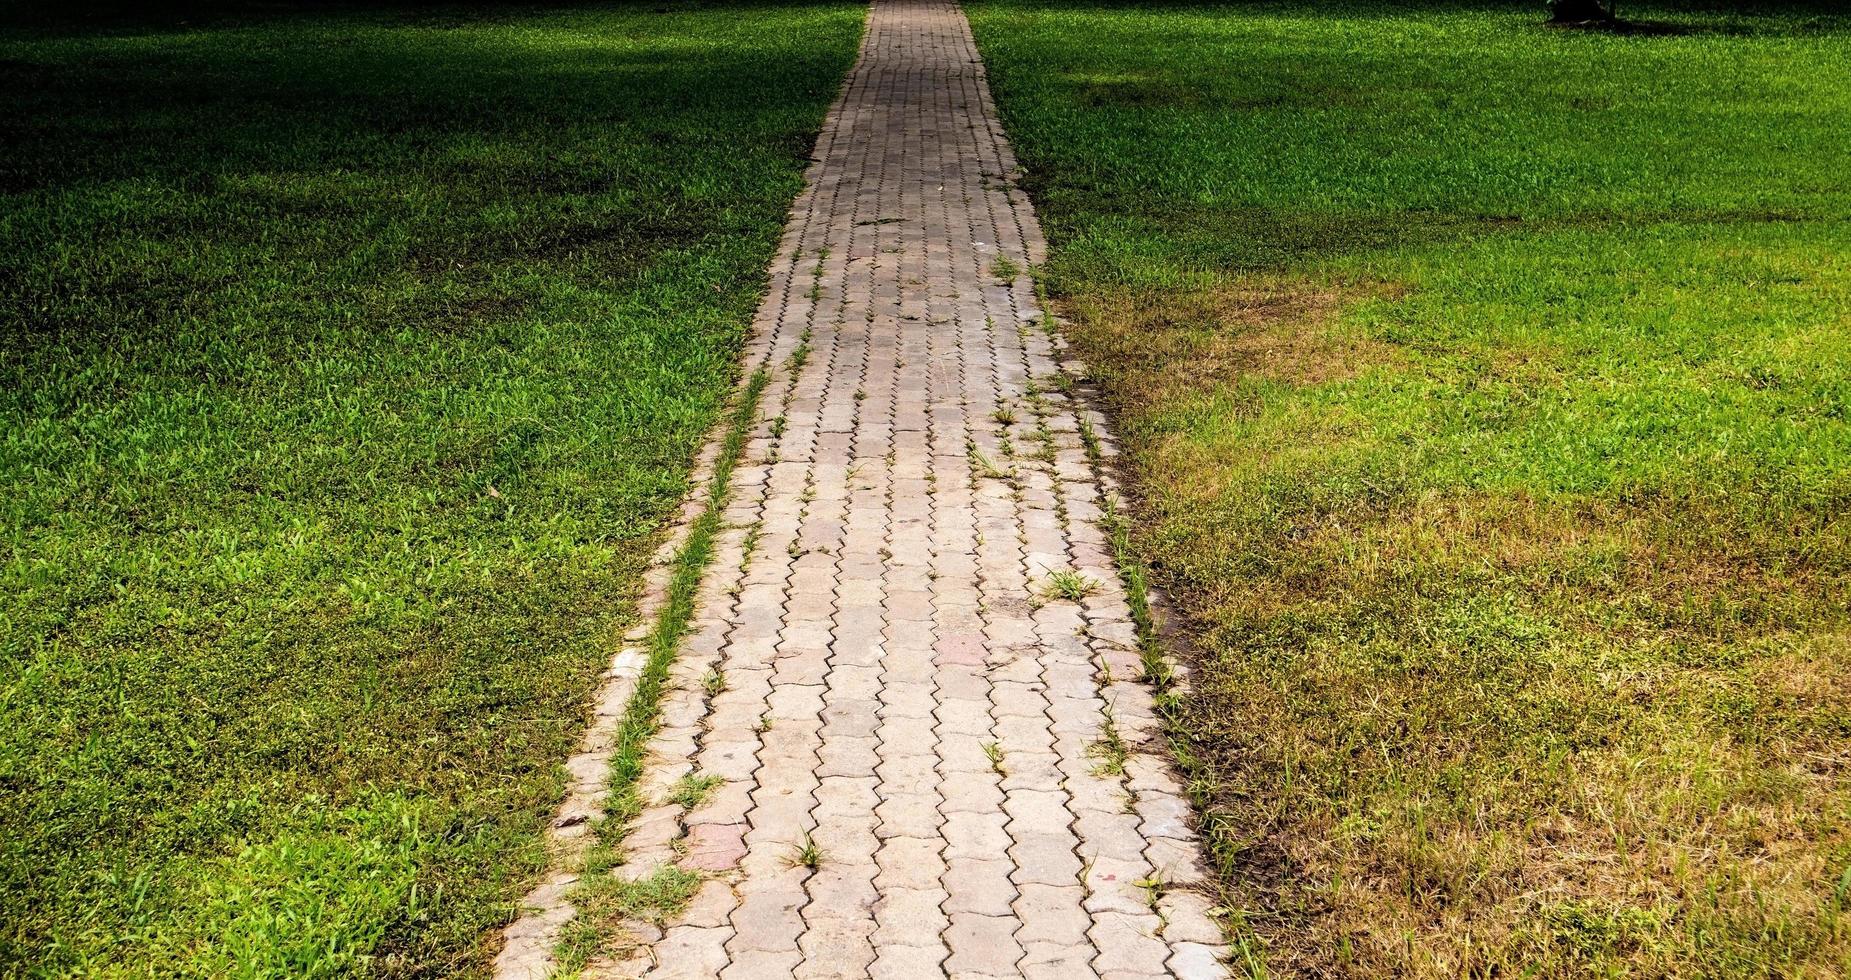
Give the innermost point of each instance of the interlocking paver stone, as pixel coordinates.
(899, 688)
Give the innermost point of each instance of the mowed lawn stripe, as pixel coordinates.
(353, 357)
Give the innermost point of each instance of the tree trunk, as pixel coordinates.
(1576, 11)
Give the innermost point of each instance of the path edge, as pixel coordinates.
(1165, 633)
(530, 943)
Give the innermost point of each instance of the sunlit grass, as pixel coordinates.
(353, 356)
(1486, 391)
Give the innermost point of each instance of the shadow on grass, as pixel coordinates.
(129, 16)
(1643, 19)
(345, 115)
(1640, 19)
(333, 69)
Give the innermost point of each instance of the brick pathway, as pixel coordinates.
(880, 666)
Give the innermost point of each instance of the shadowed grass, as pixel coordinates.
(1485, 390)
(352, 357)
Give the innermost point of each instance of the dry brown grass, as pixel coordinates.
(1280, 330)
(1667, 748)
(1451, 732)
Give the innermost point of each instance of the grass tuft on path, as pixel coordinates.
(353, 356)
(1486, 391)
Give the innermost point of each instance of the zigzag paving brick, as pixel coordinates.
(920, 760)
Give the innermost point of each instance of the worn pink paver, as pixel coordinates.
(878, 671)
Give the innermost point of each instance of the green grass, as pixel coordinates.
(607, 906)
(692, 790)
(353, 357)
(807, 853)
(1487, 391)
(1069, 585)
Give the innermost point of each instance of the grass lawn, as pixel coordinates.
(352, 357)
(1489, 390)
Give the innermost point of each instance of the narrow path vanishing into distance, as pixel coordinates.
(912, 682)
